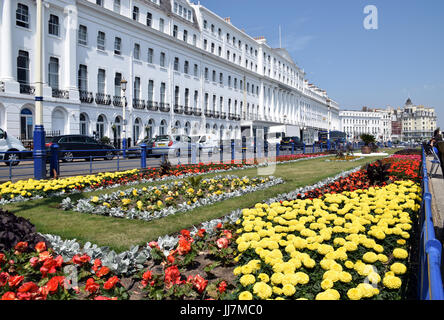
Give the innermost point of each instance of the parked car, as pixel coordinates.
(209, 143)
(149, 146)
(79, 146)
(178, 144)
(286, 143)
(10, 148)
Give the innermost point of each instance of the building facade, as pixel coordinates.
(418, 122)
(187, 71)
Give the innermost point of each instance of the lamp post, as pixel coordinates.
(39, 151)
(123, 83)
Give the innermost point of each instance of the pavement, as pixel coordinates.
(436, 185)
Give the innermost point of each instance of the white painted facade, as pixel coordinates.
(376, 122)
(188, 70)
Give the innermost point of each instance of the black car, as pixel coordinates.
(149, 146)
(79, 146)
(286, 143)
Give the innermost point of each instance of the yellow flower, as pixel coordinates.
(95, 199)
(327, 284)
(126, 201)
(245, 295)
(289, 290)
(264, 277)
(400, 253)
(262, 290)
(392, 282)
(247, 279)
(354, 294)
(398, 268)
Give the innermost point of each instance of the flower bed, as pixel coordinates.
(156, 202)
(351, 245)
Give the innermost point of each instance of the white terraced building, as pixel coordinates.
(188, 71)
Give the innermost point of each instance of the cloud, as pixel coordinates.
(295, 43)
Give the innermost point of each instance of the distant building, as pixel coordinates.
(418, 122)
(376, 122)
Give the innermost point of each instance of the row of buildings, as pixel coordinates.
(410, 123)
(187, 69)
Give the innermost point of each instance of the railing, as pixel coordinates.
(223, 115)
(430, 285)
(61, 94)
(152, 106)
(86, 96)
(208, 113)
(216, 115)
(139, 104)
(27, 89)
(188, 111)
(103, 99)
(197, 112)
(178, 109)
(164, 107)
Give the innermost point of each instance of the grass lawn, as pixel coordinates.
(121, 234)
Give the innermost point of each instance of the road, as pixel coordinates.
(25, 170)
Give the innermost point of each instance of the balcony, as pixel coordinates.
(103, 99)
(27, 89)
(223, 115)
(60, 94)
(216, 115)
(86, 97)
(139, 104)
(197, 112)
(188, 111)
(164, 107)
(231, 116)
(117, 101)
(152, 105)
(208, 113)
(178, 109)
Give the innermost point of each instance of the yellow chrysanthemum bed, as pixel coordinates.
(353, 245)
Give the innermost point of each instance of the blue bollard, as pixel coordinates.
(232, 152)
(313, 148)
(292, 148)
(39, 152)
(277, 149)
(304, 149)
(221, 153)
(54, 161)
(143, 156)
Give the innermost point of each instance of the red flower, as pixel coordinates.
(153, 244)
(172, 276)
(201, 233)
(171, 257)
(147, 276)
(91, 286)
(222, 287)
(185, 233)
(45, 255)
(97, 265)
(80, 260)
(222, 243)
(103, 272)
(14, 281)
(34, 261)
(28, 291)
(228, 234)
(21, 247)
(54, 282)
(49, 266)
(4, 276)
(41, 246)
(219, 225)
(108, 285)
(2, 258)
(199, 283)
(9, 296)
(184, 246)
(104, 298)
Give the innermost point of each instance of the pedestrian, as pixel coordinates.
(437, 137)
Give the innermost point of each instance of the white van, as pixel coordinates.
(8, 145)
(209, 143)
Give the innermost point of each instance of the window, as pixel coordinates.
(196, 70)
(101, 40)
(136, 88)
(23, 67)
(53, 73)
(83, 35)
(137, 51)
(176, 64)
(176, 95)
(149, 19)
(212, 47)
(101, 81)
(175, 31)
(99, 3)
(214, 76)
(116, 7)
(82, 78)
(196, 98)
(187, 97)
(185, 35)
(212, 28)
(150, 55)
(151, 90)
(162, 59)
(205, 24)
(83, 124)
(53, 25)
(162, 92)
(219, 32)
(117, 46)
(186, 67)
(117, 84)
(206, 102)
(206, 74)
(194, 40)
(229, 81)
(136, 13)
(221, 78)
(161, 25)
(22, 15)
(205, 44)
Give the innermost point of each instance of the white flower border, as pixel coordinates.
(86, 206)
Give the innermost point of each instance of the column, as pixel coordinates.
(6, 60)
(70, 63)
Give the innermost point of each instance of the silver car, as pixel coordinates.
(177, 145)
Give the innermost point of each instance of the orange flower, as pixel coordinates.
(21, 247)
(54, 282)
(111, 283)
(41, 246)
(14, 281)
(103, 272)
(9, 296)
(91, 286)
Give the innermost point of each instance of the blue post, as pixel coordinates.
(54, 161)
(39, 153)
(313, 148)
(232, 152)
(221, 152)
(124, 147)
(321, 147)
(328, 144)
(143, 156)
(304, 148)
(277, 149)
(292, 148)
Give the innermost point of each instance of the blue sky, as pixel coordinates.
(358, 67)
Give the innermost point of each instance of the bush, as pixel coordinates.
(409, 152)
(15, 229)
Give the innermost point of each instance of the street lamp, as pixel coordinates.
(123, 84)
(39, 151)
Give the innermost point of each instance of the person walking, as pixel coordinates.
(437, 138)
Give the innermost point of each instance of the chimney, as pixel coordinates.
(228, 20)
